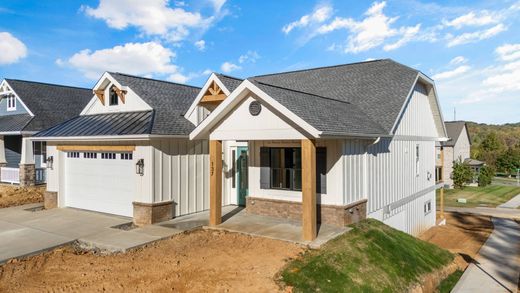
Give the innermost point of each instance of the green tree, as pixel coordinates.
(462, 174)
(485, 176)
(491, 143)
(509, 161)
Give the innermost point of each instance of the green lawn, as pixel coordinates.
(491, 196)
(447, 284)
(372, 257)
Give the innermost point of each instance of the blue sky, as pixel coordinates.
(470, 48)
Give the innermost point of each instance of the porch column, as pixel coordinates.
(3, 161)
(215, 182)
(309, 189)
(27, 166)
(442, 180)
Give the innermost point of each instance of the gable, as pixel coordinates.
(240, 124)
(128, 100)
(19, 107)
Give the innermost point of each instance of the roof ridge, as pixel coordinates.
(48, 83)
(324, 67)
(302, 92)
(229, 76)
(153, 79)
(118, 112)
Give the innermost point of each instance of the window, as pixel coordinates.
(73, 155)
(281, 168)
(126, 156)
(90, 155)
(11, 102)
(417, 160)
(40, 151)
(108, 156)
(427, 207)
(113, 99)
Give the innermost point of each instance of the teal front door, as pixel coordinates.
(242, 186)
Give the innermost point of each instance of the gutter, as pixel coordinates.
(107, 137)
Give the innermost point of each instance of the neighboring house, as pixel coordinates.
(27, 107)
(457, 148)
(328, 145)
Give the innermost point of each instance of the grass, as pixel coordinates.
(372, 257)
(447, 284)
(490, 196)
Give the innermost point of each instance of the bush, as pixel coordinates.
(462, 174)
(485, 176)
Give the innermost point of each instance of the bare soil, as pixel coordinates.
(11, 195)
(463, 235)
(199, 261)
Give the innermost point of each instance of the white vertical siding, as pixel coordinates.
(417, 118)
(354, 170)
(181, 174)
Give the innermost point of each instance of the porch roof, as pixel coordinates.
(14, 123)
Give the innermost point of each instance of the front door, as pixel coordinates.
(242, 186)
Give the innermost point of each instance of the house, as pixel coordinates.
(457, 148)
(27, 107)
(329, 145)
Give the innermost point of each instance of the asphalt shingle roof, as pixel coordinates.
(51, 104)
(377, 89)
(119, 123)
(12, 123)
(230, 82)
(169, 100)
(453, 129)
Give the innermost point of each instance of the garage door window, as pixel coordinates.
(126, 156)
(108, 156)
(73, 155)
(90, 155)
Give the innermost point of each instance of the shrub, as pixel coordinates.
(462, 174)
(485, 176)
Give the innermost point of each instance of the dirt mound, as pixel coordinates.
(200, 261)
(11, 195)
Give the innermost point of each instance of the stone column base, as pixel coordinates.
(27, 174)
(326, 214)
(151, 213)
(50, 200)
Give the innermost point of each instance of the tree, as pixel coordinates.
(462, 174)
(509, 161)
(491, 142)
(485, 176)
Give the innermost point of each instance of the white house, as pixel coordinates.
(331, 145)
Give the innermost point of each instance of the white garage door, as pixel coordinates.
(103, 182)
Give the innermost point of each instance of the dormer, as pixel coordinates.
(112, 96)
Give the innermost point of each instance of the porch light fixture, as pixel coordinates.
(50, 161)
(139, 167)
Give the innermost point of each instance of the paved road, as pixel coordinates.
(512, 203)
(493, 212)
(497, 266)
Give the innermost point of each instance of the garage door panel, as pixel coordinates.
(103, 185)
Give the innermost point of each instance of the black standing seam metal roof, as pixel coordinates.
(51, 104)
(107, 124)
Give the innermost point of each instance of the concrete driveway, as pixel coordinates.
(28, 230)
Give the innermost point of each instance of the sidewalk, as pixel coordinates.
(512, 203)
(497, 266)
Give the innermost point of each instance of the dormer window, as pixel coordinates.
(113, 99)
(11, 102)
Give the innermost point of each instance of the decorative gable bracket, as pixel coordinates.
(214, 94)
(120, 93)
(100, 94)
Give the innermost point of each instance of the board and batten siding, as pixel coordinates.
(181, 174)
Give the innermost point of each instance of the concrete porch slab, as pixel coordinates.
(276, 228)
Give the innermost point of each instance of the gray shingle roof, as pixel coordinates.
(169, 100)
(51, 104)
(12, 123)
(332, 117)
(230, 82)
(377, 88)
(453, 129)
(121, 123)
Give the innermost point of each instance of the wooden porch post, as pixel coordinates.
(215, 182)
(309, 189)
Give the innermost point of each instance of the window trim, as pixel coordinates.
(417, 159)
(11, 103)
(283, 170)
(427, 207)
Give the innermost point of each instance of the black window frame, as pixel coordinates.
(288, 168)
(113, 98)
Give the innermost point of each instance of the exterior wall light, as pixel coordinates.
(50, 162)
(139, 167)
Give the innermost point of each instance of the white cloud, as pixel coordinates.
(11, 48)
(178, 78)
(250, 56)
(207, 72)
(133, 58)
(476, 36)
(473, 19)
(451, 73)
(151, 17)
(372, 31)
(508, 52)
(217, 4)
(228, 67)
(458, 60)
(201, 45)
(319, 15)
